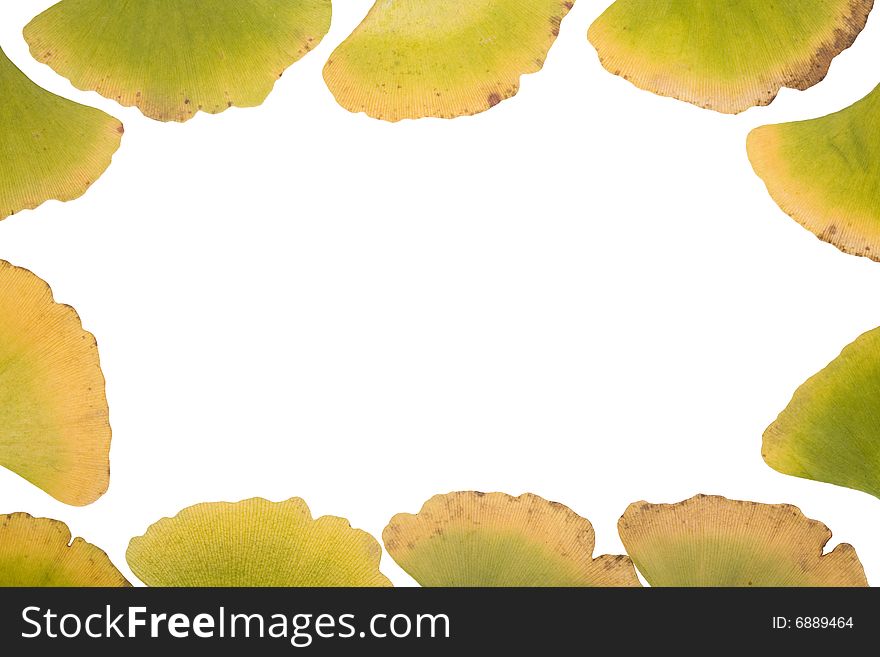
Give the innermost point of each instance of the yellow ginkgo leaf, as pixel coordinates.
(50, 148)
(255, 543)
(54, 427)
(830, 430)
(725, 56)
(825, 173)
(39, 552)
(415, 58)
(480, 540)
(172, 58)
(713, 541)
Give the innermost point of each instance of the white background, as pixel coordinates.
(583, 293)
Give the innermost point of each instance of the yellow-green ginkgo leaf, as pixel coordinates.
(825, 173)
(726, 56)
(39, 552)
(54, 426)
(713, 541)
(492, 539)
(172, 58)
(830, 431)
(255, 543)
(50, 148)
(415, 58)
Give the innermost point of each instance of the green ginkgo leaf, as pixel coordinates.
(825, 173)
(54, 426)
(713, 541)
(415, 58)
(725, 56)
(492, 539)
(39, 552)
(830, 431)
(172, 58)
(255, 543)
(50, 148)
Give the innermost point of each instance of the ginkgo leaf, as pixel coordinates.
(830, 431)
(54, 427)
(39, 552)
(713, 541)
(50, 148)
(255, 543)
(171, 58)
(492, 539)
(825, 173)
(415, 58)
(725, 56)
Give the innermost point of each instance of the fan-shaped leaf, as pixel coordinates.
(415, 58)
(39, 552)
(713, 541)
(54, 427)
(171, 58)
(825, 173)
(255, 543)
(725, 56)
(50, 148)
(478, 539)
(830, 431)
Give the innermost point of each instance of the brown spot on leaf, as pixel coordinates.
(817, 68)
